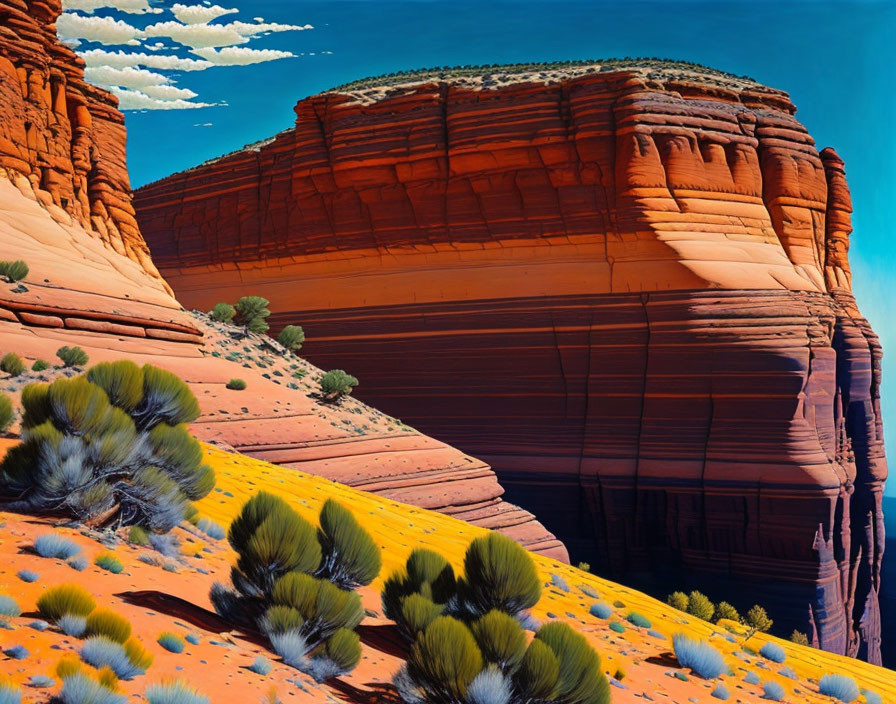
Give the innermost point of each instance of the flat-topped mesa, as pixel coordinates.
(626, 287)
(65, 208)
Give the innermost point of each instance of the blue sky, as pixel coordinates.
(834, 58)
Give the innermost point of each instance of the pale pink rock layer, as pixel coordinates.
(65, 208)
(626, 288)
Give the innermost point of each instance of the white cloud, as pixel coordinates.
(196, 36)
(241, 56)
(104, 30)
(133, 7)
(124, 77)
(199, 14)
(136, 100)
(123, 59)
(163, 92)
(253, 29)
(203, 124)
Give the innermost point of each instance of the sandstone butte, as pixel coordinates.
(625, 286)
(65, 208)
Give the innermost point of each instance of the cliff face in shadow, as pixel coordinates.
(626, 287)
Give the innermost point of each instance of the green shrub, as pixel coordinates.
(138, 656)
(292, 337)
(501, 640)
(14, 271)
(444, 660)
(171, 642)
(724, 610)
(638, 620)
(498, 574)
(799, 637)
(72, 356)
(105, 622)
(65, 599)
(336, 384)
(757, 620)
(600, 610)
(772, 690)
(617, 627)
(7, 414)
(40, 365)
(580, 677)
(109, 444)
(351, 558)
(236, 385)
(271, 540)
(774, 652)
(251, 313)
(137, 536)
(12, 364)
(427, 576)
(9, 607)
(222, 313)
(700, 606)
(109, 562)
(678, 600)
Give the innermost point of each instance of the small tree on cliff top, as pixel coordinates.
(252, 312)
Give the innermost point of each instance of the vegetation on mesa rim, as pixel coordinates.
(470, 70)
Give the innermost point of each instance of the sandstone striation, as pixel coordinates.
(65, 208)
(625, 287)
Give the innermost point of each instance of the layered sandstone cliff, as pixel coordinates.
(65, 208)
(626, 287)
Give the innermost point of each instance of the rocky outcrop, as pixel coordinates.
(627, 288)
(65, 208)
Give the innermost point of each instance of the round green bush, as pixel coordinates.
(12, 364)
(292, 337)
(7, 414)
(336, 384)
(72, 356)
(14, 271)
(251, 313)
(222, 313)
(236, 385)
(498, 574)
(40, 365)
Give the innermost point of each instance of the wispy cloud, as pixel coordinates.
(133, 7)
(134, 76)
(199, 14)
(241, 56)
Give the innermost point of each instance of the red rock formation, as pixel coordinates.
(65, 208)
(626, 289)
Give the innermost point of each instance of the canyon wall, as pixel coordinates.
(65, 208)
(626, 288)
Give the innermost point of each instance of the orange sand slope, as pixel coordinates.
(172, 595)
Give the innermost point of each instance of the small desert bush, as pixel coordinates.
(335, 384)
(72, 356)
(601, 610)
(28, 575)
(699, 656)
(7, 414)
(617, 627)
(638, 620)
(839, 687)
(261, 666)
(109, 562)
(211, 529)
(252, 313)
(772, 690)
(9, 607)
(40, 365)
(751, 678)
(236, 385)
(14, 271)
(724, 610)
(174, 693)
(137, 535)
(9, 693)
(41, 681)
(171, 642)
(12, 364)
(872, 697)
(799, 637)
(71, 625)
(700, 606)
(774, 652)
(292, 337)
(126, 660)
(105, 622)
(222, 313)
(350, 557)
(80, 688)
(65, 599)
(757, 620)
(498, 574)
(56, 546)
(721, 692)
(113, 444)
(416, 596)
(678, 600)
